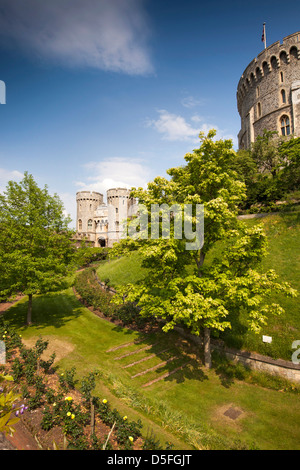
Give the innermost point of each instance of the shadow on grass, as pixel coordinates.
(180, 360)
(55, 309)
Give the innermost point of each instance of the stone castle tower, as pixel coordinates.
(268, 93)
(99, 223)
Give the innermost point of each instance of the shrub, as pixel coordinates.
(67, 379)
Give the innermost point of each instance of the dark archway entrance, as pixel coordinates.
(102, 242)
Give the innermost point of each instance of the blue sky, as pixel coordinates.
(112, 93)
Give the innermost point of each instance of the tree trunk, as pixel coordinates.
(207, 352)
(29, 311)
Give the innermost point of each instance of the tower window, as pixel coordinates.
(258, 109)
(283, 96)
(257, 91)
(90, 224)
(281, 77)
(79, 224)
(285, 125)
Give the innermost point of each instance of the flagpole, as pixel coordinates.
(265, 36)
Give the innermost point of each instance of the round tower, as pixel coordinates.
(87, 203)
(268, 93)
(118, 202)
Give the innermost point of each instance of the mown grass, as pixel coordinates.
(121, 271)
(283, 234)
(186, 408)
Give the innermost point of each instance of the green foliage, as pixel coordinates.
(35, 245)
(126, 431)
(290, 175)
(88, 287)
(10, 337)
(8, 399)
(179, 287)
(67, 379)
(270, 170)
(88, 384)
(85, 255)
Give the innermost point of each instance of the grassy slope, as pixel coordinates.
(283, 233)
(122, 271)
(191, 401)
(61, 318)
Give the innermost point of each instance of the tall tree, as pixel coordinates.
(35, 246)
(181, 287)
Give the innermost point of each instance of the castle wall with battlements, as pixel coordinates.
(268, 92)
(99, 223)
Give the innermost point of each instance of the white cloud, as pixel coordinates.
(109, 35)
(115, 173)
(173, 127)
(191, 102)
(9, 175)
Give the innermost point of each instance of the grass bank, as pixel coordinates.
(187, 407)
(283, 233)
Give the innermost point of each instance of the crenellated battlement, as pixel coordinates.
(267, 96)
(88, 195)
(270, 59)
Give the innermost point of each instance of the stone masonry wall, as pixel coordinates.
(270, 89)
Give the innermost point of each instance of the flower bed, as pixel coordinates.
(61, 412)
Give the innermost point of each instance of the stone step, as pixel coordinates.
(144, 359)
(154, 367)
(134, 352)
(164, 376)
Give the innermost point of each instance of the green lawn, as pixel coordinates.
(283, 232)
(187, 407)
(123, 270)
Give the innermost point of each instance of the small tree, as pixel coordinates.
(35, 246)
(181, 287)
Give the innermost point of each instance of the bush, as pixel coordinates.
(89, 289)
(86, 255)
(91, 292)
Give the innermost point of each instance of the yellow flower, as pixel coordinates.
(104, 401)
(68, 398)
(54, 404)
(130, 438)
(69, 413)
(124, 417)
(72, 416)
(3, 336)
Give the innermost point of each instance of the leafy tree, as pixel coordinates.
(35, 246)
(265, 152)
(181, 286)
(84, 255)
(290, 154)
(270, 169)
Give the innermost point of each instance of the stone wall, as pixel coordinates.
(269, 90)
(285, 369)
